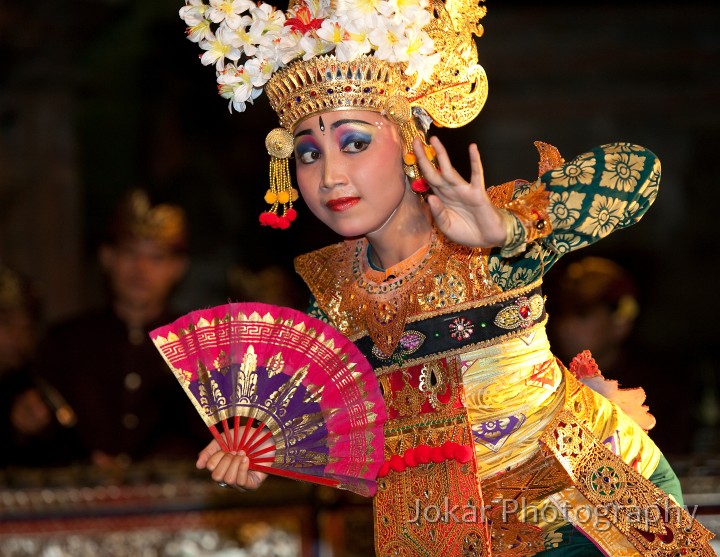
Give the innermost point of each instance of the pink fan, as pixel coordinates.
(247, 364)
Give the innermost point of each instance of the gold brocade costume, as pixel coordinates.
(481, 416)
(466, 364)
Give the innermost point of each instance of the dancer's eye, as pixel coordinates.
(307, 154)
(356, 146)
(355, 142)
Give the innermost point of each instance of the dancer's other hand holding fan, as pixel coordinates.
(231, 469)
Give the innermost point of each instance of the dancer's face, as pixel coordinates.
(349, 169)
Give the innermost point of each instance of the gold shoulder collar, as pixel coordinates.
(328, 272)
(448, 275)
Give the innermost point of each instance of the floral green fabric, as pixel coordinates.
(606, 189)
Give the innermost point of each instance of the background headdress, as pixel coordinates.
(593, 282)
(404, 58)
(136, 218)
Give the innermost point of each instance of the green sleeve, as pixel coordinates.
(606, 189)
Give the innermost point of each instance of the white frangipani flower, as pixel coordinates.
(267, 22)
(235, 85)
(289, 48)
(420, 65)
(229, 37)
(406, 11)
(348, 50)
(239, 38)
(193, 12)
(390, 42)
(353, 9)
(248, 42)
(216, 51)
(331, 32)
(419, 42)
(318, 8)
(269, 53)
(201, 31)
(228, 11)
(260, 71)
(356, 44)
(313, 46)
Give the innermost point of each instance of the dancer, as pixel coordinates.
(439, 281)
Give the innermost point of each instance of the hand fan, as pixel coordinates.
(246, 364)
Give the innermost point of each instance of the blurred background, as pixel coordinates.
(99, 96)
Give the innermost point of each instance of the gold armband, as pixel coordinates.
(526, 220)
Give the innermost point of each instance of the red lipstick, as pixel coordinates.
(342, 203)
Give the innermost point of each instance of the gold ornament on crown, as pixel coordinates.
(324, 55)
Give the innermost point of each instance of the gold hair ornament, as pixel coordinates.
(279, 145)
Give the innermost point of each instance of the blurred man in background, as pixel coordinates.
(129, 406)
(594, 308)
(593, 305)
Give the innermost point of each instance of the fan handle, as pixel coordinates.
(229, 439)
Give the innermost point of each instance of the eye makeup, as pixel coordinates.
(305, 146)
(348, 137)
(354, 132)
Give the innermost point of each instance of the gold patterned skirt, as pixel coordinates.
(490, 451)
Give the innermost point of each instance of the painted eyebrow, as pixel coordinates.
(336, 125)
(339, 123)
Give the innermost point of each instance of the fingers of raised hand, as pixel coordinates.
(426, 167)
(477, 175)
(450, 176)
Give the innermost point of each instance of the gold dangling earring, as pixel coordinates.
(409, 132)
(279, 145)
(399, 111)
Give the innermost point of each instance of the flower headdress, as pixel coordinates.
(404, 58)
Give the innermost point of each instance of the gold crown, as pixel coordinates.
(453, 96)
(323, 83)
